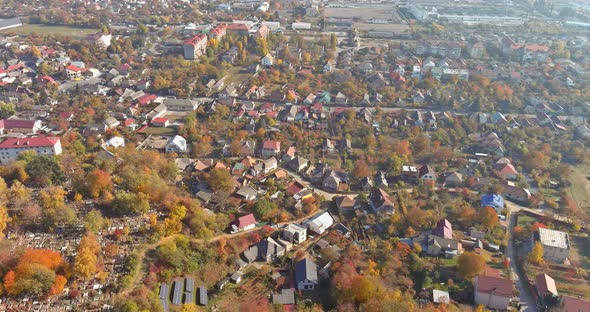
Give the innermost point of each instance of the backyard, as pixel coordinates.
(580, 186)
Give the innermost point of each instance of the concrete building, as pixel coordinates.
(194, 47)
(12, 147)
(556, 245)
(294, 233)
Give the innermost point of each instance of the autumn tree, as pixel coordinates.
(536, 254)
(361, 169)
(220, 180)
(6, 110)
(470, 264)
(488, 218)
(44, 170)
(85, 264)
(4, 219)
(35, 273)
(93, 221)
(98, 182)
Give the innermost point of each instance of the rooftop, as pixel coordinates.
(554, 238)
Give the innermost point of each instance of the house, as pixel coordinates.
(438, 246)
(320, 222)
(573, 304)
(236, 278)
(294, 233)
(380, 180)
(73, 72)
(443, 229)
(194, 47)
(453, 179)
(269, 250)
(440, 296)
(367, 184)
(298, 164)
(545, 285)
(346, 204)
(177, 145)
(115, 142)
(493, 200)
(244, 223)
(493, 292)
(181, 105)
(410, 173)
(381, 202)
(19, 126)
(427, 174)
(306, 274)
(218, 32)
(270, 148)
(267, 60)
(336, 181)
(160, 122)
(247, 192)
(262, 32)
(516, 193)
(506, 171)
(340, 99)
(328, 146)
(556, 244)
(111, 122)
(239, 29)
(12, 147)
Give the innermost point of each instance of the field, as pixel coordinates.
(28, 29)
(525, 220)
(160, 131)
(580, 186)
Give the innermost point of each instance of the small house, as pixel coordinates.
(493, 292)
(244, 223)
(321, 222)
(306, 274)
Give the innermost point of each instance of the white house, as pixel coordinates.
(267, 60)
(294, 233)
(115, 141)
(306, 274)
(12, 147)
(177, 145)
(321, 222)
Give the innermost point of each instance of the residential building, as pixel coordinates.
(506, 171)
(381, 202)
(439, 48)
(239, 29)
(443, 229)
(427, 174)
(573, 304)
(194, 47)
(320, 223)
(294, 233)
(19, 126)
(12, 147)
(493, 292)
(556, 245)
(181, 105)
(266, 250)
(306, 274)
(545, 285)
(453, 179)
(346, 204)
(493, 200)
(73, 72)
(270, 148)
(438, 246)
(177, 145)
(476, 49)
(244, 223)
(262, 32)
(160, 122)
(516, 193)
(410, 173)
(267, 60)
(218, 32)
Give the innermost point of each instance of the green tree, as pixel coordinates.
(6, 110)
(263, 208)
(44, 170)
(130, 203)
(93, 221)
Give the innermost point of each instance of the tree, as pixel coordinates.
(361, 169)
(130, 203)
(220, 180)
(488, 218)
(263, 208)
(44, 170)
(470, 264)
(6, 110)
(85, 264)
(4, 219)
(536, 254)
(98, 182)
(93, 221)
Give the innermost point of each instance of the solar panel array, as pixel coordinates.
(177, 295)
(203, 295)
(189, 296)
(164, 296)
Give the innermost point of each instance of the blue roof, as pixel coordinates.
(492, 200)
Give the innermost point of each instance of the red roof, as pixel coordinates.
(572, 304)
(128, 122)
(196, 39)
(73, 68)
(494, 285)
(15, 67)
(536, 48)
(272, 145)
(238, 27)
(142, 129)
(2, 71)
(66, 115)
(29, 142)
(146, 98)
(546, 285)
(159, 120)
(47, 78)
(295, 188)
(245, 221)
(17, 123)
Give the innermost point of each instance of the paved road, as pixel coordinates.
(526, 299)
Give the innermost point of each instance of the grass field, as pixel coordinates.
(580, 186)
(49, 30)
(525, 221)
(160, 131)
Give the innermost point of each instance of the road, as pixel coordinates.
(527, 301)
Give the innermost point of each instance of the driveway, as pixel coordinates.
(527, 301)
